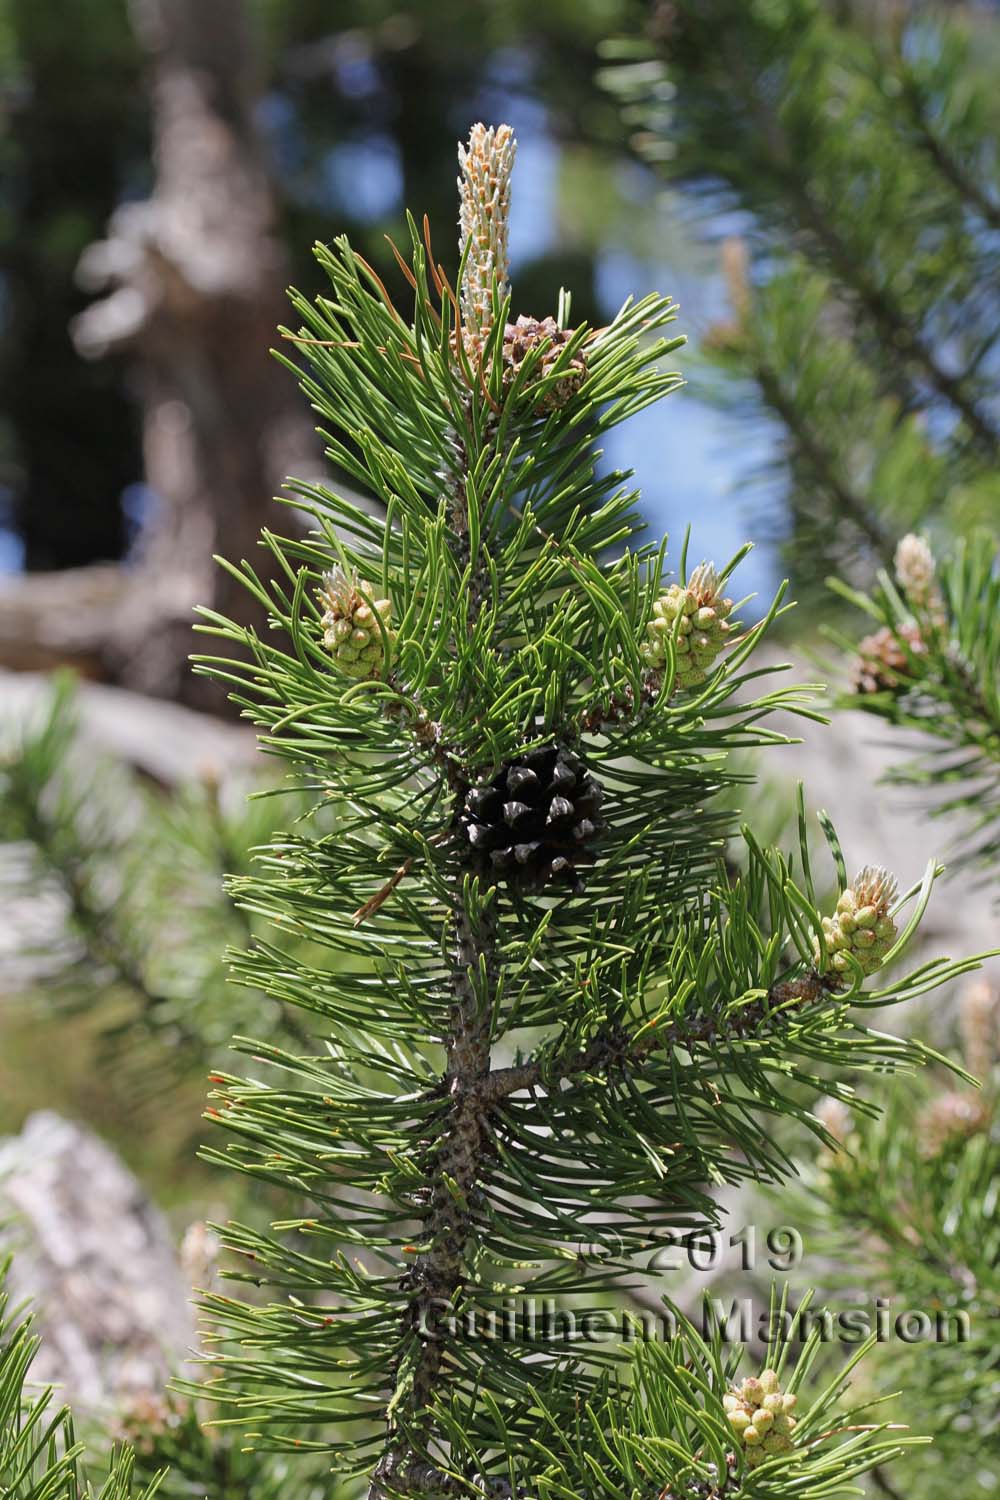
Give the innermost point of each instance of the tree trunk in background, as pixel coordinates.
(196, 277)
(69, 440)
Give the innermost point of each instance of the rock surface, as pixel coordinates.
(95, 1259)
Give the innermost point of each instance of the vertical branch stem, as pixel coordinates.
(454, 1160)
(453, 1178)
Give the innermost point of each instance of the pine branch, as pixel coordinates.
(884, 1484)
(528, 726)
(452, 1182)
(965, 185)
(71, 866)
(848, 267)
(862, 225)
(930, 667)
(137, 878)
(614, 1050)
(821, 461)
(904, 1201)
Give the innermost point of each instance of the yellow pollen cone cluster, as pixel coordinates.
(351, 629)
(695, 618)
(861, 926)
(761, 1417)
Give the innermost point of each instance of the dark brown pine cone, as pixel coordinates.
(535, 821)
(520, 338)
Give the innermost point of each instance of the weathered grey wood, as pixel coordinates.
(50, 620)
(167, 741)
(194, 281)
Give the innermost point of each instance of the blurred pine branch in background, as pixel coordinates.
(852, 151)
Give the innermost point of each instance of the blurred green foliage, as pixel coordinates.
(852, 149)
(121, 927)
(905, 1210)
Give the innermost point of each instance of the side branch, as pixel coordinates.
(822, 463)
(615, 1048)
(847, 267)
